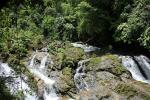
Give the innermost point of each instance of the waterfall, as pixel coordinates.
(144, 63)
(43, 62)
(86, 48)
(80, 74)
(41, 72)
(78, 77)
(138, 66)
(32, 61)
(16, 83)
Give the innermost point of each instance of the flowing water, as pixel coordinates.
(86, 48)
(78, 77)
(41, 72)
(139, 67)
(16, 83)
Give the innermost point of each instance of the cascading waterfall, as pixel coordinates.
(139, 67)
(43, 62)
(78, 77)
(17, 83)
(41, 72)
(144, 63)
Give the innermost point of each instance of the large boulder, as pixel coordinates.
(109, 80)
(68, 57)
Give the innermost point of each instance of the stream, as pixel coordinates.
(138, 66)
(41, 72)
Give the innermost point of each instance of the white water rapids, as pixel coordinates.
(41, 72)
(16, 83)
(86, 48)
(78, 77)
(138, 66)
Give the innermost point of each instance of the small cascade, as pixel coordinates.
(41, 72)
(79, 76)
(138, 66)
(43, 62)
(80, 83)
(32, 61)
(86, 48)
(16, 83)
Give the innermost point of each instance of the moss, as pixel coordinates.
(93, 63)
(125, 90)
(14, 62)
(108, 62)
(104, 82)
(66, 55)
(118, 70)
(146, 97)
(20, 95)
(74, 54)
(67, 71)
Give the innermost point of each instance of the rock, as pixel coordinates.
(44, 49)
(4, 57)
(40, 85)
(109, 80)
(68, 58)
(107, 62)
(40, 55)
(65, 84)
(103, 75)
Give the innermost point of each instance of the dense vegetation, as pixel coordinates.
(24, 24)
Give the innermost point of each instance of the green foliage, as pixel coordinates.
(67, 9)
(135, 27)
(4, 94)
(48, 25)
(85, 20)
(145, 38)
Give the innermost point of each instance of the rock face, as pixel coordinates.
(109, 80)
(105, 76)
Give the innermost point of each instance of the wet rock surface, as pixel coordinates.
(105, 76)
(109, 80)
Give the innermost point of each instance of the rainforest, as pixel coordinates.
(74, 49)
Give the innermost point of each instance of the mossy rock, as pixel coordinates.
(125, 90)
(69, 57)
(74, 54)
(134, 89)
(67, 71)
(106, 62)
(65, 84)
